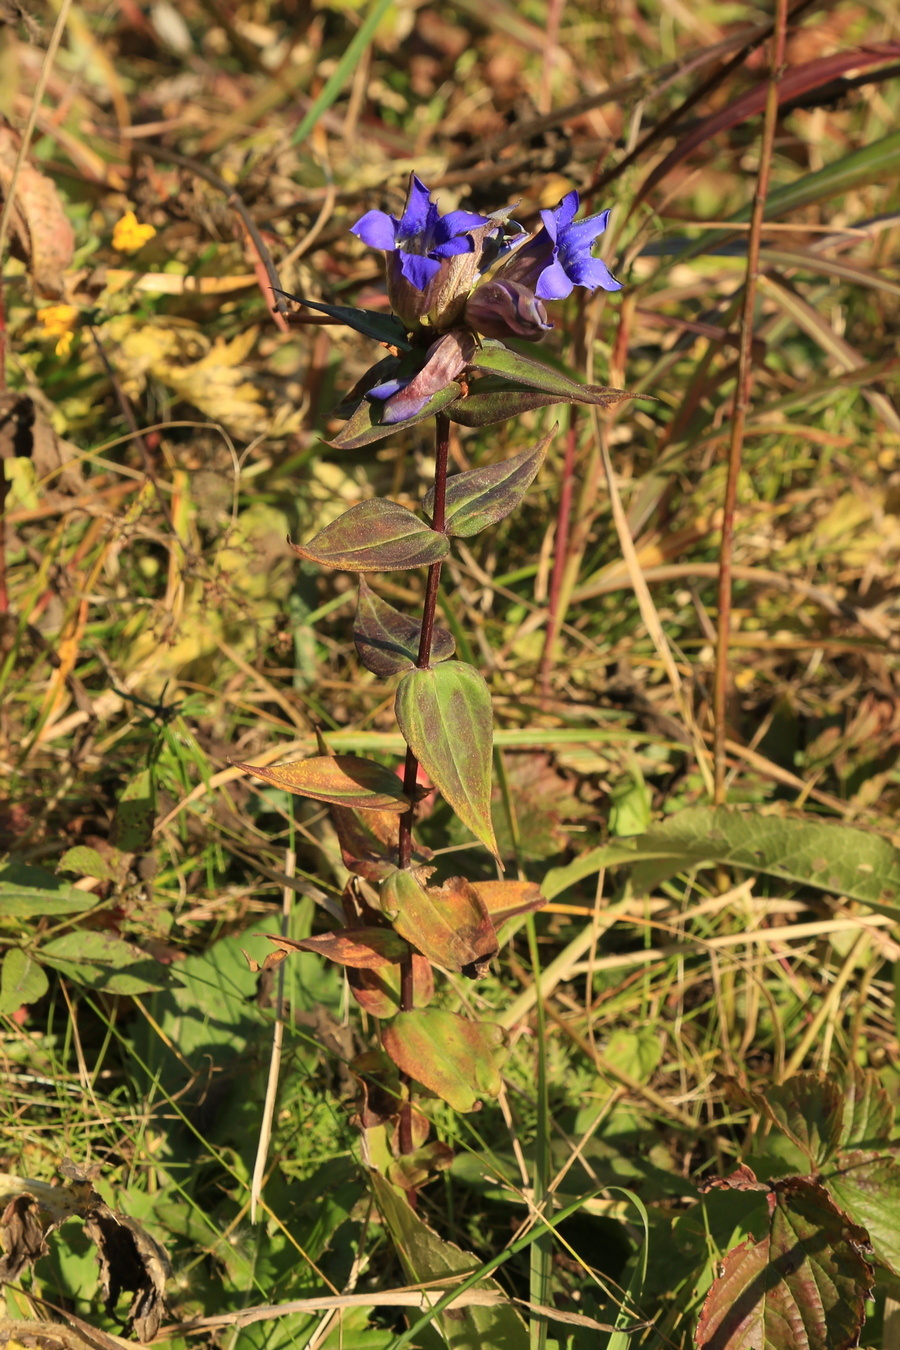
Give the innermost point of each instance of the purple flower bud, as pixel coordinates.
(501, 309)
(444, 360)
(559, 255)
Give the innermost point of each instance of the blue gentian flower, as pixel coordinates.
(559, 256)
(422, 236)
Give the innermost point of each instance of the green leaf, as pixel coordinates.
(481, 497)
(21, 981)
(343, 780)
(428, 1260)
(491, 399)
(449, 926)
(457, 1060)
(803, 1287)
(363, 427)
(868, 1110)
(388, 641)
(444, 714)
(808, 1108)
(86, 862)
(104, 962)
(825, 855)
(500, 360)
(29, 892)
(375, 536)
(381, 327)
(136, 814)
(867, 1189)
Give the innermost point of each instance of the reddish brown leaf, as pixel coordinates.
(482, 497)
(375, 536)
(505, 899)
(42, 235)
(362, 948)
(457, 1060)
(378, 991)
(808, 1108)
(450, 926)
(344, 780)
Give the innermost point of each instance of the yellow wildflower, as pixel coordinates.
(58, 321)
(129, 234)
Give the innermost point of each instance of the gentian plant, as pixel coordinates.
(459, 285)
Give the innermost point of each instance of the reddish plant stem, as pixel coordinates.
(741, 403)
(411, 769)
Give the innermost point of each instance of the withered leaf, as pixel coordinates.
(42, 235)
(131, 1261)
(22, 1237)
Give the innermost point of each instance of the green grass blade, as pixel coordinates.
(342, 72)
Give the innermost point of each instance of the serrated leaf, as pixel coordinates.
(500, 360)
(21, 981)
(868, 1110)
(361, 948)
(444, 714)
(481, 497)
(827, 856)
(375, 536)
(364, 427)
(387, 641)
(343, 780)
(104, 962)
(808, 1108)
(803, 1287)
(26, 892)
(866, 1187)
(449, 926)
(381, 327)
(428, 1260)
(457, 1060)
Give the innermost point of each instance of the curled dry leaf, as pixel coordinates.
(26, 433)
(130, 1261)
(41, 234)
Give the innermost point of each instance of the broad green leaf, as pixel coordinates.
(382, 327)
(136, 814)
(27, 892)
(86, 862)
(388, 641)
(444, 714)
(500, 360)
(808, 1108)
(430, 1261)
(867, 1188)
(481, 497)
(803, 1287)
(104, 962)
(343, 780)
(450, 926)
(21, 981)
(364, 427)
(375, 536)
(361, 948)
(459, 1061)
(825, 855)
(868, 1110)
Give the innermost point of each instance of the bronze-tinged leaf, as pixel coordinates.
(412, 1170)
(344, 780)
(506, 899)
(497, 359)
(809, 1109)
(42, 235)
(364, 427)
(450, 926)
(361, 948)
(22, 1237)
(803, 1285)
(378, 991)
(457, 1060)
(388, 641)
(445, 717)
(375, 536)
(481, 497)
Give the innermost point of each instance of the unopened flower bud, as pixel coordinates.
(501, 309)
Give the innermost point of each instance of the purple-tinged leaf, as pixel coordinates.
(481, 497)
(808, 1108)
(459, 1061)
(382, 327)
(868, 1110)
(375, 536)
(450, 926)
(802, 1287)
(493, 400)
(344, 780)
(378, 991)
(445, 717)
(866, 1186)
(496, 359)
(364, 426)
(361, 948)
(388, 641)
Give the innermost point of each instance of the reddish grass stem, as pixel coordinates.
(741, 403)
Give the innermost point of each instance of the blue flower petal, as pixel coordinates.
(453, 246)
(583, 233)
(419, 210)
(554, 283)
(377, 229)
(457, 222)
(418, 270)
(591, 273)
(388, 387)
(565, 212)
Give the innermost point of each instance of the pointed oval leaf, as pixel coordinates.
(22, 980)
(361, 948)
(344, 780)
(481, 497)
(381, 327)
(457, 1060)
(445, 717)
(364, 427)
(492, 401)
(500, 360)
(378, 991)
(375, 536)
(388, 641)
(450, 926)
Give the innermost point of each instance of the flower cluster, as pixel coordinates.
(455, 275)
